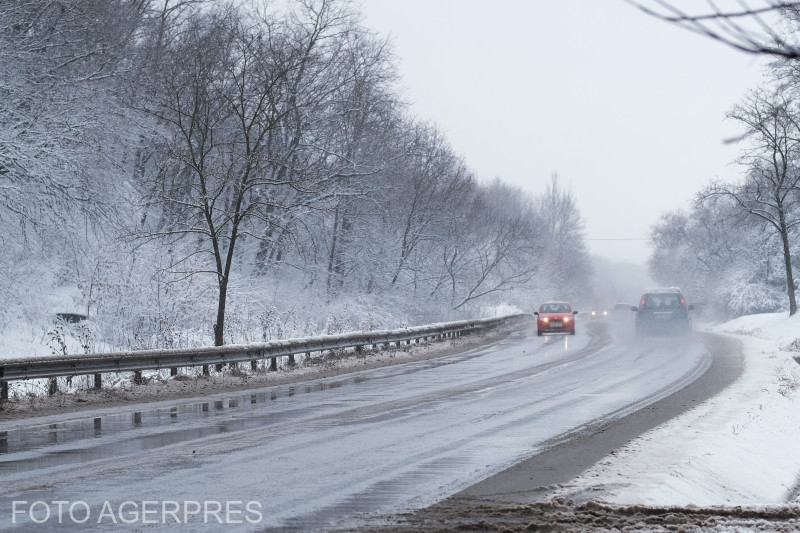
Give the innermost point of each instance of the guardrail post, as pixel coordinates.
(273, 364)
(173, 371)
(205, 370)
(52, 386)
(219, 367)
(137, 377)
(3, 390)
(291, 359)
(98, 381)
(254, 365)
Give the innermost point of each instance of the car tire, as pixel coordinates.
(572, 332)
(538, 333)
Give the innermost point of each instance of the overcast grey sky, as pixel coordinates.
(627, 109)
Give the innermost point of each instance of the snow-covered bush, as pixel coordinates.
(751, 298)
(271, 324)
(793, 346)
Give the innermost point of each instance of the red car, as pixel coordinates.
(555, 317)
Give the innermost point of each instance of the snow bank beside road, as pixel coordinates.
(736, 448)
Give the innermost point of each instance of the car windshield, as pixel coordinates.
(662, 300)
(555, 308)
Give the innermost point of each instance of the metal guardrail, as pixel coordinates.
(55, 366)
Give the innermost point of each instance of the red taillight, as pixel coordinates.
(683, 302)
(642, 302)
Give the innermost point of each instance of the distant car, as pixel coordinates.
(555, 317)
(600, 313)
(662, 311)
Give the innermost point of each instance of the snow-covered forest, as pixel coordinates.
(193, 172)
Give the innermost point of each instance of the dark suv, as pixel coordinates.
(662, 311)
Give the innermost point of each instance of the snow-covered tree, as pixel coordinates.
(772, 163)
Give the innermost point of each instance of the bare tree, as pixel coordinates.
(769, 191)
(428, 185)
(62, 151)
(501, 256)
(359, 137)
(241, 95)
(54, 58)
(487, 245)
(745, 28)
(561, 225)
(720, 255)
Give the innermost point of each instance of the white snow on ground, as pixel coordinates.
(739, 447)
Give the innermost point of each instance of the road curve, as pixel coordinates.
(316, 454)
(575, 452)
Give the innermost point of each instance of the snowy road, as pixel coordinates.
(313, 454)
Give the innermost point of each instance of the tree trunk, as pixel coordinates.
(787, 259)
(219, 326)
(332, 256)
(336, 261)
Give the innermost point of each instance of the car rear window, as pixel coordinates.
(555, 308)
(662, 300)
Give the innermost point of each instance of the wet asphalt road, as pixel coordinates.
(575, 452)
(317, 454)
